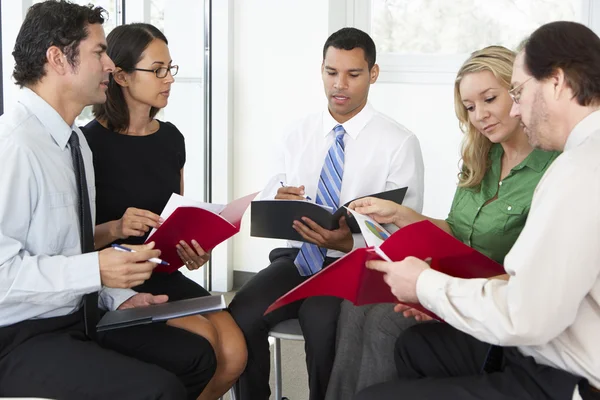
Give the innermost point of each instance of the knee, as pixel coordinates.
(319, 315)
(202, 365)
(164, 386)
(405, 344)
(365, 394)
(247, 314)
(233, 356)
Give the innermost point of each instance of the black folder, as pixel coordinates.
(160, 312)
(274, 218)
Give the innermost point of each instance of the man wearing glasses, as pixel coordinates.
(535, 335)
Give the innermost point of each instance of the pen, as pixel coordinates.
(283, 185)
(153, 259)
(381, 254)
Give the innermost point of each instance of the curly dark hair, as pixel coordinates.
(51, 23)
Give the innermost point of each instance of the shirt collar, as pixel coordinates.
(353, 126)
(48, 117)
(537, 160)
(583, 129)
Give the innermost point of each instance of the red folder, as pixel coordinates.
(349, 278)
(206, 227)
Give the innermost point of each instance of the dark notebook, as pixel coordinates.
(274, 218)
(160, 312)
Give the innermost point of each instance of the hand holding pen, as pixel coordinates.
(127, 249)
(126, 269)
(291, 193)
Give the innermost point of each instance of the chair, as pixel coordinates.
(288, 330)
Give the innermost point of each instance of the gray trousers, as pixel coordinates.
(364, 354)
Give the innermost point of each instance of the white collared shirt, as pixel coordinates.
(42, 271)
(379, 154)
(550, 306)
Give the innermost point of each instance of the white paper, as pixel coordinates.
(176, 201)
(372, 231)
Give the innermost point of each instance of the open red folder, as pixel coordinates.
(349, 278)
(208, 228)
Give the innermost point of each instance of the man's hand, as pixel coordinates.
(143, 300)
(125, 270)
(193, 258)
(401, 276)
(290, 193)
(409, 312)
(339, 239)
(135, 222)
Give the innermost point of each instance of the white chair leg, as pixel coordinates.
(277, 365)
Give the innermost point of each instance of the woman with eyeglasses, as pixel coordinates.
(139, 161)
(498, 174)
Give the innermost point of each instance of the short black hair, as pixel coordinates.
(572, 47)
(52, 23)
(352, 38)
(126, 45)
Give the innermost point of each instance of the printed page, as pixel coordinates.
(372, 231)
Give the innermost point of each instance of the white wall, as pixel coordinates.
(277, 60)
(428, 111)
(13, 13)
(277, 80)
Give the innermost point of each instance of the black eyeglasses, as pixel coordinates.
(161, 72)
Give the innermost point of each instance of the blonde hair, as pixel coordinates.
(475, 146)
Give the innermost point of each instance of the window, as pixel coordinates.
(426, 41)
(461, 26)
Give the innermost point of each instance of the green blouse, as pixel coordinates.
(493, 228)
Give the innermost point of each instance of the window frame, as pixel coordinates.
(420, 68)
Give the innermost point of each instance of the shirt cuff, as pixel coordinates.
(111, 298)
(84, 272)
(359, 241)
(431, 286)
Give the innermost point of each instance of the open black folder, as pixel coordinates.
(160, 312)
(274, 218)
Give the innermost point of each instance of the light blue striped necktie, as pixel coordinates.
(310, 258)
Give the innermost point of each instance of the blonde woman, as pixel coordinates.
(498, 174)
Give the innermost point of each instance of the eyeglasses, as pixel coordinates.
(161, 72)
(513, 92)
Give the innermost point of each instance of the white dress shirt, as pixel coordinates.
(379, 154)
(550, 306)
(42, 271)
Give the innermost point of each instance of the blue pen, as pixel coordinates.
(283, 185)
(127, 249)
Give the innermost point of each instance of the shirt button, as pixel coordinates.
(500, 184)
(509, 208)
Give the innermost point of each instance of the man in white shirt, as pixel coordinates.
(535, 335)
(46, 223)
(347, 151)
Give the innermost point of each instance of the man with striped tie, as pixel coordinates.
(347, 151)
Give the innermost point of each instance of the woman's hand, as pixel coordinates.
(382, 211)
(193, 258)
(136, 222)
